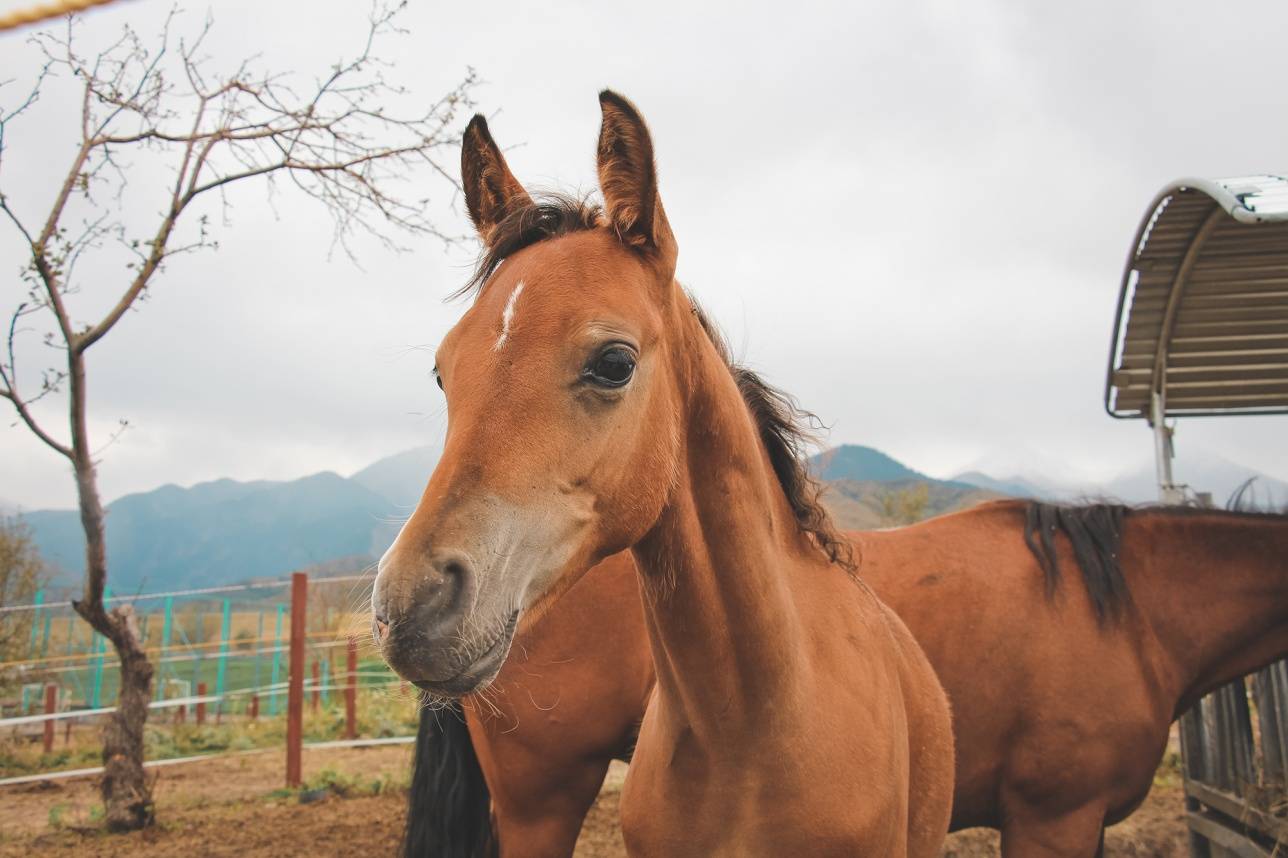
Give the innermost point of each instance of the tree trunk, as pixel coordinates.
(127, 797)
(126, 793)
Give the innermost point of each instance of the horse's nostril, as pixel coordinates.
(379, 629)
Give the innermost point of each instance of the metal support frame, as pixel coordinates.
(1169, 494)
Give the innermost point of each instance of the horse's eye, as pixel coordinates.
(612, 368)
(438, 379)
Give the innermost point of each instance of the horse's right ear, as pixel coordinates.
(491, 191)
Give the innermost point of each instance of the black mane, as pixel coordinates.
(1095, 531)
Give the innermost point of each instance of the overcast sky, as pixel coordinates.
(912, 215)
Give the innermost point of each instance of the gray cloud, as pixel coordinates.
(913, 216)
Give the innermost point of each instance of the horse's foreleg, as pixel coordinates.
(1079, 834)
(545, 822)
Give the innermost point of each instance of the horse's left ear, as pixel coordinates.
(628, 179)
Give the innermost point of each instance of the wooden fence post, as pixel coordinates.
(295, 683)
(351, 692)
(201, 703)
(254, 707)
(51, 706)
(317, 685)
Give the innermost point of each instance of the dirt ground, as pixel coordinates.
(226, 807)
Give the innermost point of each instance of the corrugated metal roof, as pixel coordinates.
(1203, 311)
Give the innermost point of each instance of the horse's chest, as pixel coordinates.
(687, 801)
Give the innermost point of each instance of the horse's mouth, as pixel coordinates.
(480, 672)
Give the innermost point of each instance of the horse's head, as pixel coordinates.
(561, 391)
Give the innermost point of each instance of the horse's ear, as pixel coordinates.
(628, 178)
(491, 191)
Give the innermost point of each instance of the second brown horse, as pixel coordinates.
(1062, 689)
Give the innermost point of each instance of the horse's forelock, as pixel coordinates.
(548, 216)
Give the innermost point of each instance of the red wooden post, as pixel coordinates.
(51, 705)
(201, 704)
(351, 693)
(295, 685)
(317, 685)
(254, 707)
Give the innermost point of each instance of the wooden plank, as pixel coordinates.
(1238, 810)
(1215, 831)
(1270, 720)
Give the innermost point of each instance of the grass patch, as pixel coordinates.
(332, 782)
(380, 715)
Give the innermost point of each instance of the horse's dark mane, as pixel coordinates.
(1094, 531)
(785, 432)
(784, 425)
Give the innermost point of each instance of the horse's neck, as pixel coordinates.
(725, 634)
(1216, 591)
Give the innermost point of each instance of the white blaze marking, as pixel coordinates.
(507, 316)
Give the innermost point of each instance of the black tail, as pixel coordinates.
(449, 809)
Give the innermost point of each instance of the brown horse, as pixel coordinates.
(590, 410)
(1062, 692)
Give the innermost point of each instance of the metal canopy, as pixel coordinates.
(1202, 321)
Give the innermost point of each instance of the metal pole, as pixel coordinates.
(259, 645)
(221, 670)
(51, 706)
(277, 662)
(167, 625)
(295, 691)
(100, 649)
(351, 692)
(197, 639)
(1168, 492)
(39, 600)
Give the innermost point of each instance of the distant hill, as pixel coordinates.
(222, 531)
(400, 478)
(856, 462)
(869, 465)
(1017, 487)
(1204, 471)
(225, 531)
(863, 483)
(862, 504)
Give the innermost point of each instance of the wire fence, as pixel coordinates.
(266, 651)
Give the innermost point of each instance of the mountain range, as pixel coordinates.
(226, 531)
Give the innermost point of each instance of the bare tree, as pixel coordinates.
(338, 140)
